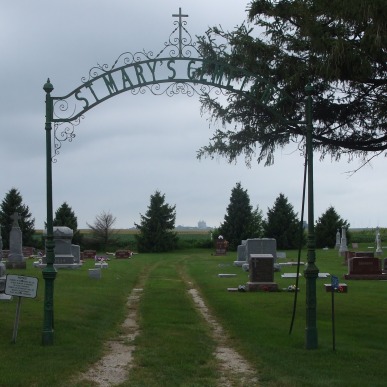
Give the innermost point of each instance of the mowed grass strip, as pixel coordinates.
(87, 312)
(174, 347)
(259, 323)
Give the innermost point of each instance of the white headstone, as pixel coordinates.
(343, 245)
(379, 250)
(15, 241)
(337, 246)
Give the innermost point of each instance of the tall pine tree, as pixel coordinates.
(240, 221)
(282, 224)
(326, 228)
(340, 47)
(13, 202)
(156, 226)
(65, 216)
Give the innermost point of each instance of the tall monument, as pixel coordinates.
(16, 259)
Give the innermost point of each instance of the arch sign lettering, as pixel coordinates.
(179, 68)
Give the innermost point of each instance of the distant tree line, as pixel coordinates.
(242, 222)
(156, 228)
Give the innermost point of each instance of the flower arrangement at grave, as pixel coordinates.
(291, 288)
(100, 259)
(340, 289)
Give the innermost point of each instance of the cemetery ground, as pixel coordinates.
(173, 344)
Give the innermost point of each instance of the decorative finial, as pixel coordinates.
(48, 87)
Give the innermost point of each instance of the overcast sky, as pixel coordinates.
(132, 145)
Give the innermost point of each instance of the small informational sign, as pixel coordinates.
(334, 283)
(21, 286)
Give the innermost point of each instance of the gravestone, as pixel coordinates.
(359, 254)
(261, 246)
(28, 251)
(384, 265)
(365, 267)
(76, 251)
(2, 267)
(221, 246)
(89, 254)
(122, 254)
(348, 255)
(261, 273)
(16, 259)
(1, 246)
(241, 254)
(63, 249)
(379, 250)
(343, 243)
(337, 245)
(95, 273)
(100, 262)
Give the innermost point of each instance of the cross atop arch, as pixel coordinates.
(180, 16)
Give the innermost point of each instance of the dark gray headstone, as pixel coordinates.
(63, 250)
(76, 251)
(261, 246)
(261, 268)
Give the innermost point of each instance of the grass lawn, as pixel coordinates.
(174, 346)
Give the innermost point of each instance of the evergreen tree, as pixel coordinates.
(339, 47)
(326, 228)
(13, 202)
(257, 223)
(65, 216)
(156, 226)
(240, 222)
(282, 224)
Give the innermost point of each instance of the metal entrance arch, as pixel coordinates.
(178, 68)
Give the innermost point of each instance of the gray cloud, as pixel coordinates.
(130, 146)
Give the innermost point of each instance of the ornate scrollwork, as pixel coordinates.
(175, 88)
(179, 45)
(179, 68)
(182, 45)
(64, 131)
(64, 108)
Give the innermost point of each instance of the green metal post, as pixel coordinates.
(311, 270)
(49, 272)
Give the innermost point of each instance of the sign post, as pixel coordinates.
(334, 287)
(20, 286)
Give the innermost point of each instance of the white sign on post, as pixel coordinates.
(21, 286)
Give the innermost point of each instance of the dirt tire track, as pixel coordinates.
(114, 367)
(235, 371)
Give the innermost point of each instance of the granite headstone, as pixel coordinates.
(16, 259)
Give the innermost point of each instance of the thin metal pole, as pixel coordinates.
(311, 270)
(333, 320)
(17, 317)
(49, 272)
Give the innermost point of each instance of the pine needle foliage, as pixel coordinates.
(156, 226)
